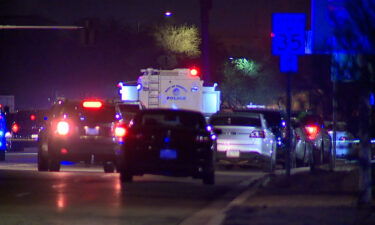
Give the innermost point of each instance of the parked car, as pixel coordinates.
(303, 147)
(276, 120)
(3, 130)
(313, 129)
(168, 142)
(244, 139)
(346, 143)
(23, 128)
(80, 131)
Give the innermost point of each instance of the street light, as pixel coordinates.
(168, 13)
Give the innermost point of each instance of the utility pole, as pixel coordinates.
(206, 6)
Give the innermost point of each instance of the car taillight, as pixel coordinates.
(62, 128)
(15, 128)
(312, 131)
(343, 138)
(120, 130)
(257, 134)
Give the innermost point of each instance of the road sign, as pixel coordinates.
(288, 33)
(288, 63)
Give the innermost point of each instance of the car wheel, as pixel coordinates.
(54, 165)
(109, 167)
(209, 178)
(269, 165)
(311, 161)
(293, 160)
(42, 163)
(2, 155)
(126, 177)
(208, 175)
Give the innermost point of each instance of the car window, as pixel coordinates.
(104, 114)
(128, 108)
(235, 121)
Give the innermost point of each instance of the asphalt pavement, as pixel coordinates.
(304, 198)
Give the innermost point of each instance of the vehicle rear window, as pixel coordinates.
(105, 114)
(185, 120)
(129, 108)
(235, 121)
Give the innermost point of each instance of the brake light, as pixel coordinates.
(312, 131)
(257, 134)
(120, 130)
(32, 117)
(343, 138)
(92, 104)
(62, 128)
(15, 128)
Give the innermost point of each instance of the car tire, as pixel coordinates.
(108, 167)
(42, 163)
(269, 165)
(209, 178)
(312, 161)
(54, 165)
(126, 177)
(2, 155)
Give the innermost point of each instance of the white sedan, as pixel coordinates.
(244, 139)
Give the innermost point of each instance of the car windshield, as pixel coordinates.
(128, 108)
(171, 119)
(235, 121)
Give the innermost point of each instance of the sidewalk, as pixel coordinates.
(322, 198)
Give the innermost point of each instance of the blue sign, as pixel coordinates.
(288, 63)
(288, 33)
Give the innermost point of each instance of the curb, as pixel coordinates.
(214, 213)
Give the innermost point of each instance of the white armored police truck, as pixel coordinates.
(177, 89)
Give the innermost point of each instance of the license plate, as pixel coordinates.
(168, 154)
(233, 154)
(92, 131)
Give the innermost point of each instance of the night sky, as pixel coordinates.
(37, 65)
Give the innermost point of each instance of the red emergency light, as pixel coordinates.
(194, 72)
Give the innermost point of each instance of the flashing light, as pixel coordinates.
(92, 104)
(63, 128)
(312, 131)
(139, 87)
(15, 128)
(194, 72)
(32, 117)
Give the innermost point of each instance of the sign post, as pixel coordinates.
(288, 41)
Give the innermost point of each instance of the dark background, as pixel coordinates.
(40, 65)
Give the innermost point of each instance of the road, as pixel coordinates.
(86, 195)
